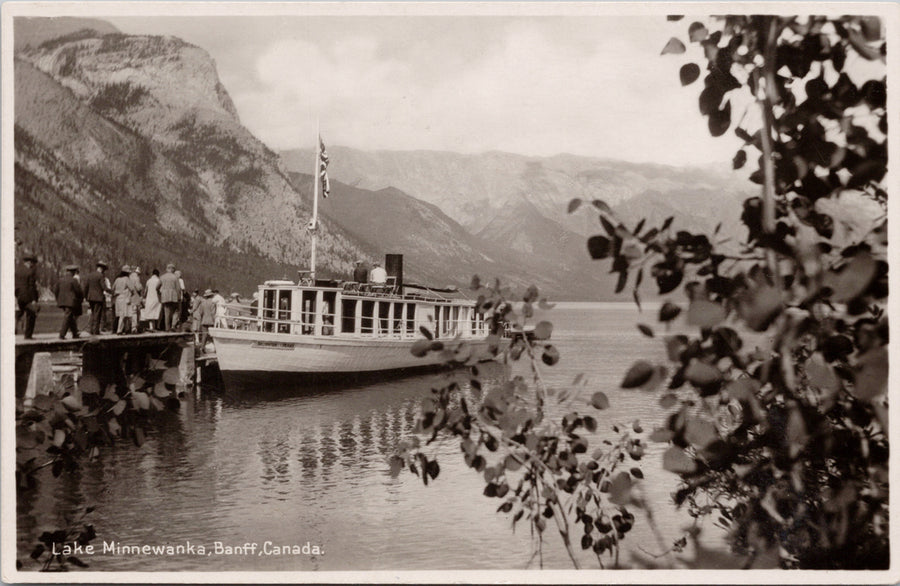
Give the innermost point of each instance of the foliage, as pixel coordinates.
(785, 441)
(74, 421)
(777, 407)
(542, 470)
(58, 544)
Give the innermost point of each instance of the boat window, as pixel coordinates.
(308, 312)
(348, 316)
(384, 310)
(268, 309)
(284, 311)
(368, 312)
(398, 318)
(410, 318)
(328, 307)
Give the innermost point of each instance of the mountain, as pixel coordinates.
(129, 148)
(517, 204)
(439, 251)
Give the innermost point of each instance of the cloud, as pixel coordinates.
(592, 86)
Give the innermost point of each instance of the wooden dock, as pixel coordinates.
(101, 355)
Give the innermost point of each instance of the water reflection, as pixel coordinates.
(309, 464)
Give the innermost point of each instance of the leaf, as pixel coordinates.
(160, 390)
(602, 206)
(550, 355)
(852, 279)
(700, 432)
(689, 73)
(138, 436)
(661, 435)
(697, 32)
(171, 376)
(637, 473)
(574, 204)
(37, 551)
(646, 330)
(598, 247)
(543, 330)
(668, 311)
(420, 347)
(740, 158)
(870, 375)
(705, 314)
(620, 489)
(71, 402)
(140, 400)
(620, 283)
(668, 400)
(119, 407)
(667, 223)
(674, 17)
(720, 120)
(821, 375)
(42, 402)
(89, 385)
(676, 460)
(426, 332)
(862, 47)
(599, 400)
(673, 47)
(639, 373)
(702, 374)
(759, 307)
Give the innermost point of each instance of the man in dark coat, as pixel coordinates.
(96, 285)
(361, 273)
(69, 297)
(27, 293)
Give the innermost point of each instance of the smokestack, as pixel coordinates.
(393, 265)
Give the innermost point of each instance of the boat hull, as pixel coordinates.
(250, 357)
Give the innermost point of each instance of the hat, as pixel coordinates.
(28, 255)
(376, 263)
(208, 293)
(137, 270)
(359, 262)
(101, 263)
(126, 269)
(235, 294)
(71, 267)
(170, 266)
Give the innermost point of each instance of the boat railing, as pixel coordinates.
(379, 328)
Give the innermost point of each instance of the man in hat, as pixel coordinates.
(170, 296)
(69, 297)
(360, 273)
(27, 293)
(96, 286)
(207, 316)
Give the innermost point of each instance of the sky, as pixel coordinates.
(533, 85)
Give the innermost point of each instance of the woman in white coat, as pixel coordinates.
(152, 305)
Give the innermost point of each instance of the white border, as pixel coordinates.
(888, 11)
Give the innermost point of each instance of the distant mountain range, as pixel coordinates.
(130, 149)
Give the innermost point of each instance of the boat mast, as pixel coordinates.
(314, 224)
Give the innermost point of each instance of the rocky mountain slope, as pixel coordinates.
(150, 150)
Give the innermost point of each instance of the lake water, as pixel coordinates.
(309, 467)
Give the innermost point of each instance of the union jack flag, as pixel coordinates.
(323, 168)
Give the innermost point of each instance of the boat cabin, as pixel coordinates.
(335, 309)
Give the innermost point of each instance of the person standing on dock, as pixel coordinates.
(69, 297)
(150, 312)
(96, 285)
(137, 298)
(27, 293)
(207, 316)
(122, 298)
(170, 295)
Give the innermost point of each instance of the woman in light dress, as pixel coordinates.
(152, 305)
(122, 291)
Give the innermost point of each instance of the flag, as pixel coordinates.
(323, 168)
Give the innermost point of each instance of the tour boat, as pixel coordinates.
(327, 330)
(318, 328)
